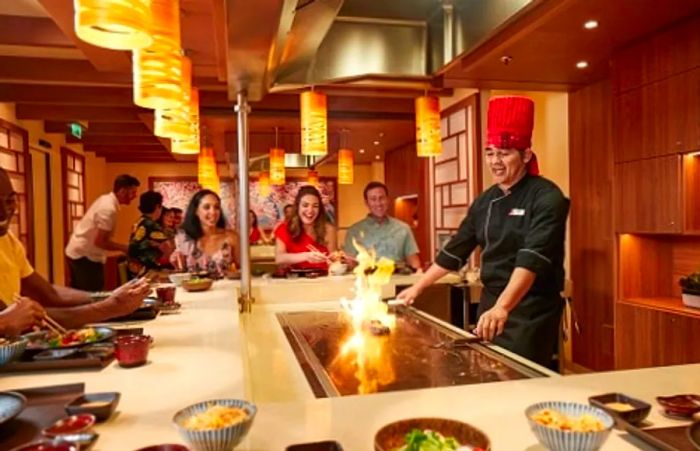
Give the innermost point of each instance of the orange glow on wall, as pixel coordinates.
(314, 123)
(157, 69)
(207, 171)
(312, 177)
(114, 24)
(277, 171)
(428, 140)
(346, 167)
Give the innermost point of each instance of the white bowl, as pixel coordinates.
(12, 350)
(691, 300)
(222, 439)
(557, 440)
(337, 269)
(178, 277)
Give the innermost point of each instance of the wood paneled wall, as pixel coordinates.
(591, 222)
(405, 174)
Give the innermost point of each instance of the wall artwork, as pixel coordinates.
(269, 207)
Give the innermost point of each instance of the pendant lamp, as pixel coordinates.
(264, 183)
(277, 171)
(346, 167)
(428, 139)
(114, 24)
(312, 177)
(207, 172)
(314, 123)
(175, 123)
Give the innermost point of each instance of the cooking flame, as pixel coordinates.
(364, 351)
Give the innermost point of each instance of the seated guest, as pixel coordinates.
(92, 237)
(167, 221)
(177, 222)
(20, 316)
(388, 236)
(204, 243)
(149, 245)
(257, 235)
(306, 240)
(71, 308)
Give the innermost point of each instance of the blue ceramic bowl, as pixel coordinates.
(222, 439)
(12, 350)
(558, 440)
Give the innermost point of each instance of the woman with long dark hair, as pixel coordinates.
(257, 235)
(307, 239)
(203, 243)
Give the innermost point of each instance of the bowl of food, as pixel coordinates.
(216, 425)
(178, 277)
(569, 426)
(337, 268)
(11, 348)
(419, 434)
(629, 409)
(196, 284)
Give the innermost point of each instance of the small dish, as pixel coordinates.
(99, 349)
(84, 441)
(195, 285)
(11, 348)
(166, 294)
(11, 404)
(132, 350)
(101, 405)
(167, 447)
(178, 277)
(48, 445)
(73, 424)
(55, 354)
(680, 405)
(637, 413)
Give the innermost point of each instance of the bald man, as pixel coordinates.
(20, 283)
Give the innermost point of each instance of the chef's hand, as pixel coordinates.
(409, 294)
(20, 316)
(491, 323)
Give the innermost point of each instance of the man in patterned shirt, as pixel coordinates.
(149, 246)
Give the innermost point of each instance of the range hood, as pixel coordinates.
(285, 45)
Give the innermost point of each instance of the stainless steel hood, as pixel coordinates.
(287, 44)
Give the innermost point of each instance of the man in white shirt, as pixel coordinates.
(92, 237)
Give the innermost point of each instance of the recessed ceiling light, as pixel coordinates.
(590, 24)
(362, 150)
(377, 157)
(376, 143)
(582, 64)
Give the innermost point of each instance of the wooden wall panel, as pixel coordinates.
(592, 235)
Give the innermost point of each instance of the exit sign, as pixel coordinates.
(76, 130)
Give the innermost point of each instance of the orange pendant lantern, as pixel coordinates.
(185, 146)
(114, 24)
(277, 171)
(180, 124)
(264, 183)
(312, 177)
(314, 123)
(428, 139)
(207, 171)
(346, 166)
(157, 69)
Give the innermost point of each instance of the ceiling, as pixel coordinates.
(53, 76)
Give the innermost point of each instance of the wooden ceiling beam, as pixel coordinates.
(131, 158)
(101, 128)
(32, 32)
(73, 113)
(118, 148)
(116, 140)
(349, 115)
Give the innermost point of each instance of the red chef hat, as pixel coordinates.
(509, 125)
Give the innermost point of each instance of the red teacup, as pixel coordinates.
(132, 350)
(166, 295)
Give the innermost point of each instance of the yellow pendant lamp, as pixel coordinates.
(312, 177)
(176, 123)
(114, 24)
(189, 145)
(208, 175)
(314, 123)
(346, 167)
(277, 170)
(428, 139)
(264, 183)
(157, 69)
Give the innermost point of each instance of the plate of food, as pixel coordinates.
(47, 339)
(428, 434)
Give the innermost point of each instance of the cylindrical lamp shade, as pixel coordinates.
(185, 146)
(114, 24)
(314, 123)
(157, 69)
(312, 177)
(277, 172)
(264, 183)
(181, 123)
(346, 167)
(428, 139)
(207, 172)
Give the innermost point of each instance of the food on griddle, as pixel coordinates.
(558, 420)
(215, 417)
(376, 327)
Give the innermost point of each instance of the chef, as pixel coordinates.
(520, 225)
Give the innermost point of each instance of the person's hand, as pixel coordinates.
(491, 323)
(315, 257)
(409, 295)
(20, 316)
(177, 259)
(129, 296)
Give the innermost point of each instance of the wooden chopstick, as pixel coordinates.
(316, 251)
(53, 324)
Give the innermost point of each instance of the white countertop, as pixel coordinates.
(199, 354)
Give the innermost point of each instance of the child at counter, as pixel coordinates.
(307, 239)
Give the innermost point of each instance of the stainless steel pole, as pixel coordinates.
(245, 299)
(448, 30)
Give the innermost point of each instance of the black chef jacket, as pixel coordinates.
(523, 227)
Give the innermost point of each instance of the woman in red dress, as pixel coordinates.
(257, 235)
(307, 239)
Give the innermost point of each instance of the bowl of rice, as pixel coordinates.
(216, 425)
(569, 426)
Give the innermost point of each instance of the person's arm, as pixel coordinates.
(282, 257)
(20, 316)
(103, 240)
(331, 238)
(235, 246)
(36, 287)
(544, 239)
(413, 261)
